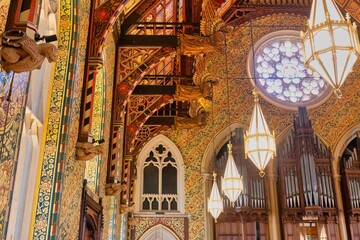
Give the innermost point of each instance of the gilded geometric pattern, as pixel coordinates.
(48, 199)
(74, 170)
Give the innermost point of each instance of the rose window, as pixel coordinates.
(280, 72)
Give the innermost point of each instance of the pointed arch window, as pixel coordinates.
(161, 177)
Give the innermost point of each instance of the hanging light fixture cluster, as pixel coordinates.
(232, 183)
(331, 48)
(331, 43)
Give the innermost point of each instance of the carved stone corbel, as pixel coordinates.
(112, 189)
(87, 151)
(124, 208)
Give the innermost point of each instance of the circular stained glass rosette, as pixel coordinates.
(281, 75)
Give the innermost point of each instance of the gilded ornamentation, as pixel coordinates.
(210, 21)
(196, 108)
(201, 75)
(188, 93)
(189, 123)
(194, 45)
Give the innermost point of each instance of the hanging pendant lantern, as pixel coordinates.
(232, 183)
(215, 202)
(331, 43)
(259, 142)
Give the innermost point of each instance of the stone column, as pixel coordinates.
(209, 222)
(340, 206)
(274, 220)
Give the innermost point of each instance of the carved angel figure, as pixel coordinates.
(20, 53)
(188, 93)
(87, 151)
(194, 45)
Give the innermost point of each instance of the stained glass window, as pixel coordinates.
(280, 73)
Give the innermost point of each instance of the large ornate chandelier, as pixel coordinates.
(331, 43)
(215, 202)
(260, 144)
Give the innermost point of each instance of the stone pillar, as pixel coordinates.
(274, 220)
(209, 221)
(340, 206)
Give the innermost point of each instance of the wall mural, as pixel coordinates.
(12, 101)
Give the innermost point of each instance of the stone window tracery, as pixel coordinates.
(280, 74)
(161, 177)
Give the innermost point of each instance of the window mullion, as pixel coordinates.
(160, 183)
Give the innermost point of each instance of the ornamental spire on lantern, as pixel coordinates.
(259, 142)
(331, 43)
(215, 202)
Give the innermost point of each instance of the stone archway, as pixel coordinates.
(159, 232)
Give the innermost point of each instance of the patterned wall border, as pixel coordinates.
(47, 199)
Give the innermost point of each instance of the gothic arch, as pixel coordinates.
(343, 141)
(159, 232)
(161, 139)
